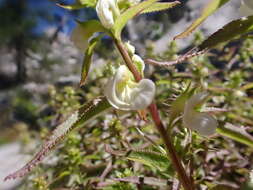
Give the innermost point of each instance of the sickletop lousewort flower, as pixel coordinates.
(204, 123)
(246, 8)
(107, 11)
(125, 94)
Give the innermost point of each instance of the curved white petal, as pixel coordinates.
(142, 95)
(113, 99)
(123, 93)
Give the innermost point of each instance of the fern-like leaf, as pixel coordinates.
(76, 119)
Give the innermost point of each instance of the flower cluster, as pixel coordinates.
(204, 123)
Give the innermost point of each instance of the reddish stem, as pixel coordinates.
(171, 152)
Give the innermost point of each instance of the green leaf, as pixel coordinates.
(76, 119)
(238, 134)
(150, 158)
(72, 7)
(207, 11)
(121, 21)
(87, 59)
(79, 4)
(160, 7)
(88, 3)
(84, 31)
(228, 32)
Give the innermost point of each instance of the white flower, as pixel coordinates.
(246, 8)
(78, 38)
(204, 123)
(125, 94)
(107, 11)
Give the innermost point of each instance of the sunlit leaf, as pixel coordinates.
(228, 32)
(88, 59)
(76, 119)
(121, 21)
(238, 134)
(72, 7)
(150, 158)
(208, 10)
(79, 4)
(160, 6)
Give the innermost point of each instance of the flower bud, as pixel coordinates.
(107, 11)
(130, 48)
(125, 94)
(204, 123)
(139, 63)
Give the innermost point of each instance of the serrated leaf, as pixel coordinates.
(77, 119)
(155, 7)
(150, 158)
(87, 59)
(121, 21)
(207, 11)
(228, 32)
(238, 134)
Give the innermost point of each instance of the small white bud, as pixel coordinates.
(107, 11)
(204, 123)
(130, 48)
(125, 94)
(239, 93)
(137, 60)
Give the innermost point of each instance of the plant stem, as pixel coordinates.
(171, 152)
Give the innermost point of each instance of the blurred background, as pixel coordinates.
(37, 58)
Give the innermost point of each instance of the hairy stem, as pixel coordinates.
(171, 152)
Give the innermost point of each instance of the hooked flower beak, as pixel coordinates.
(124, 93)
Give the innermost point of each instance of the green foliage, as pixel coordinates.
(150, 158)
(160, 7)
(212, 6)
(88, 59)
(79, 4)
(84, 160)
(236, 133)
(229, 32)
(130, 13)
